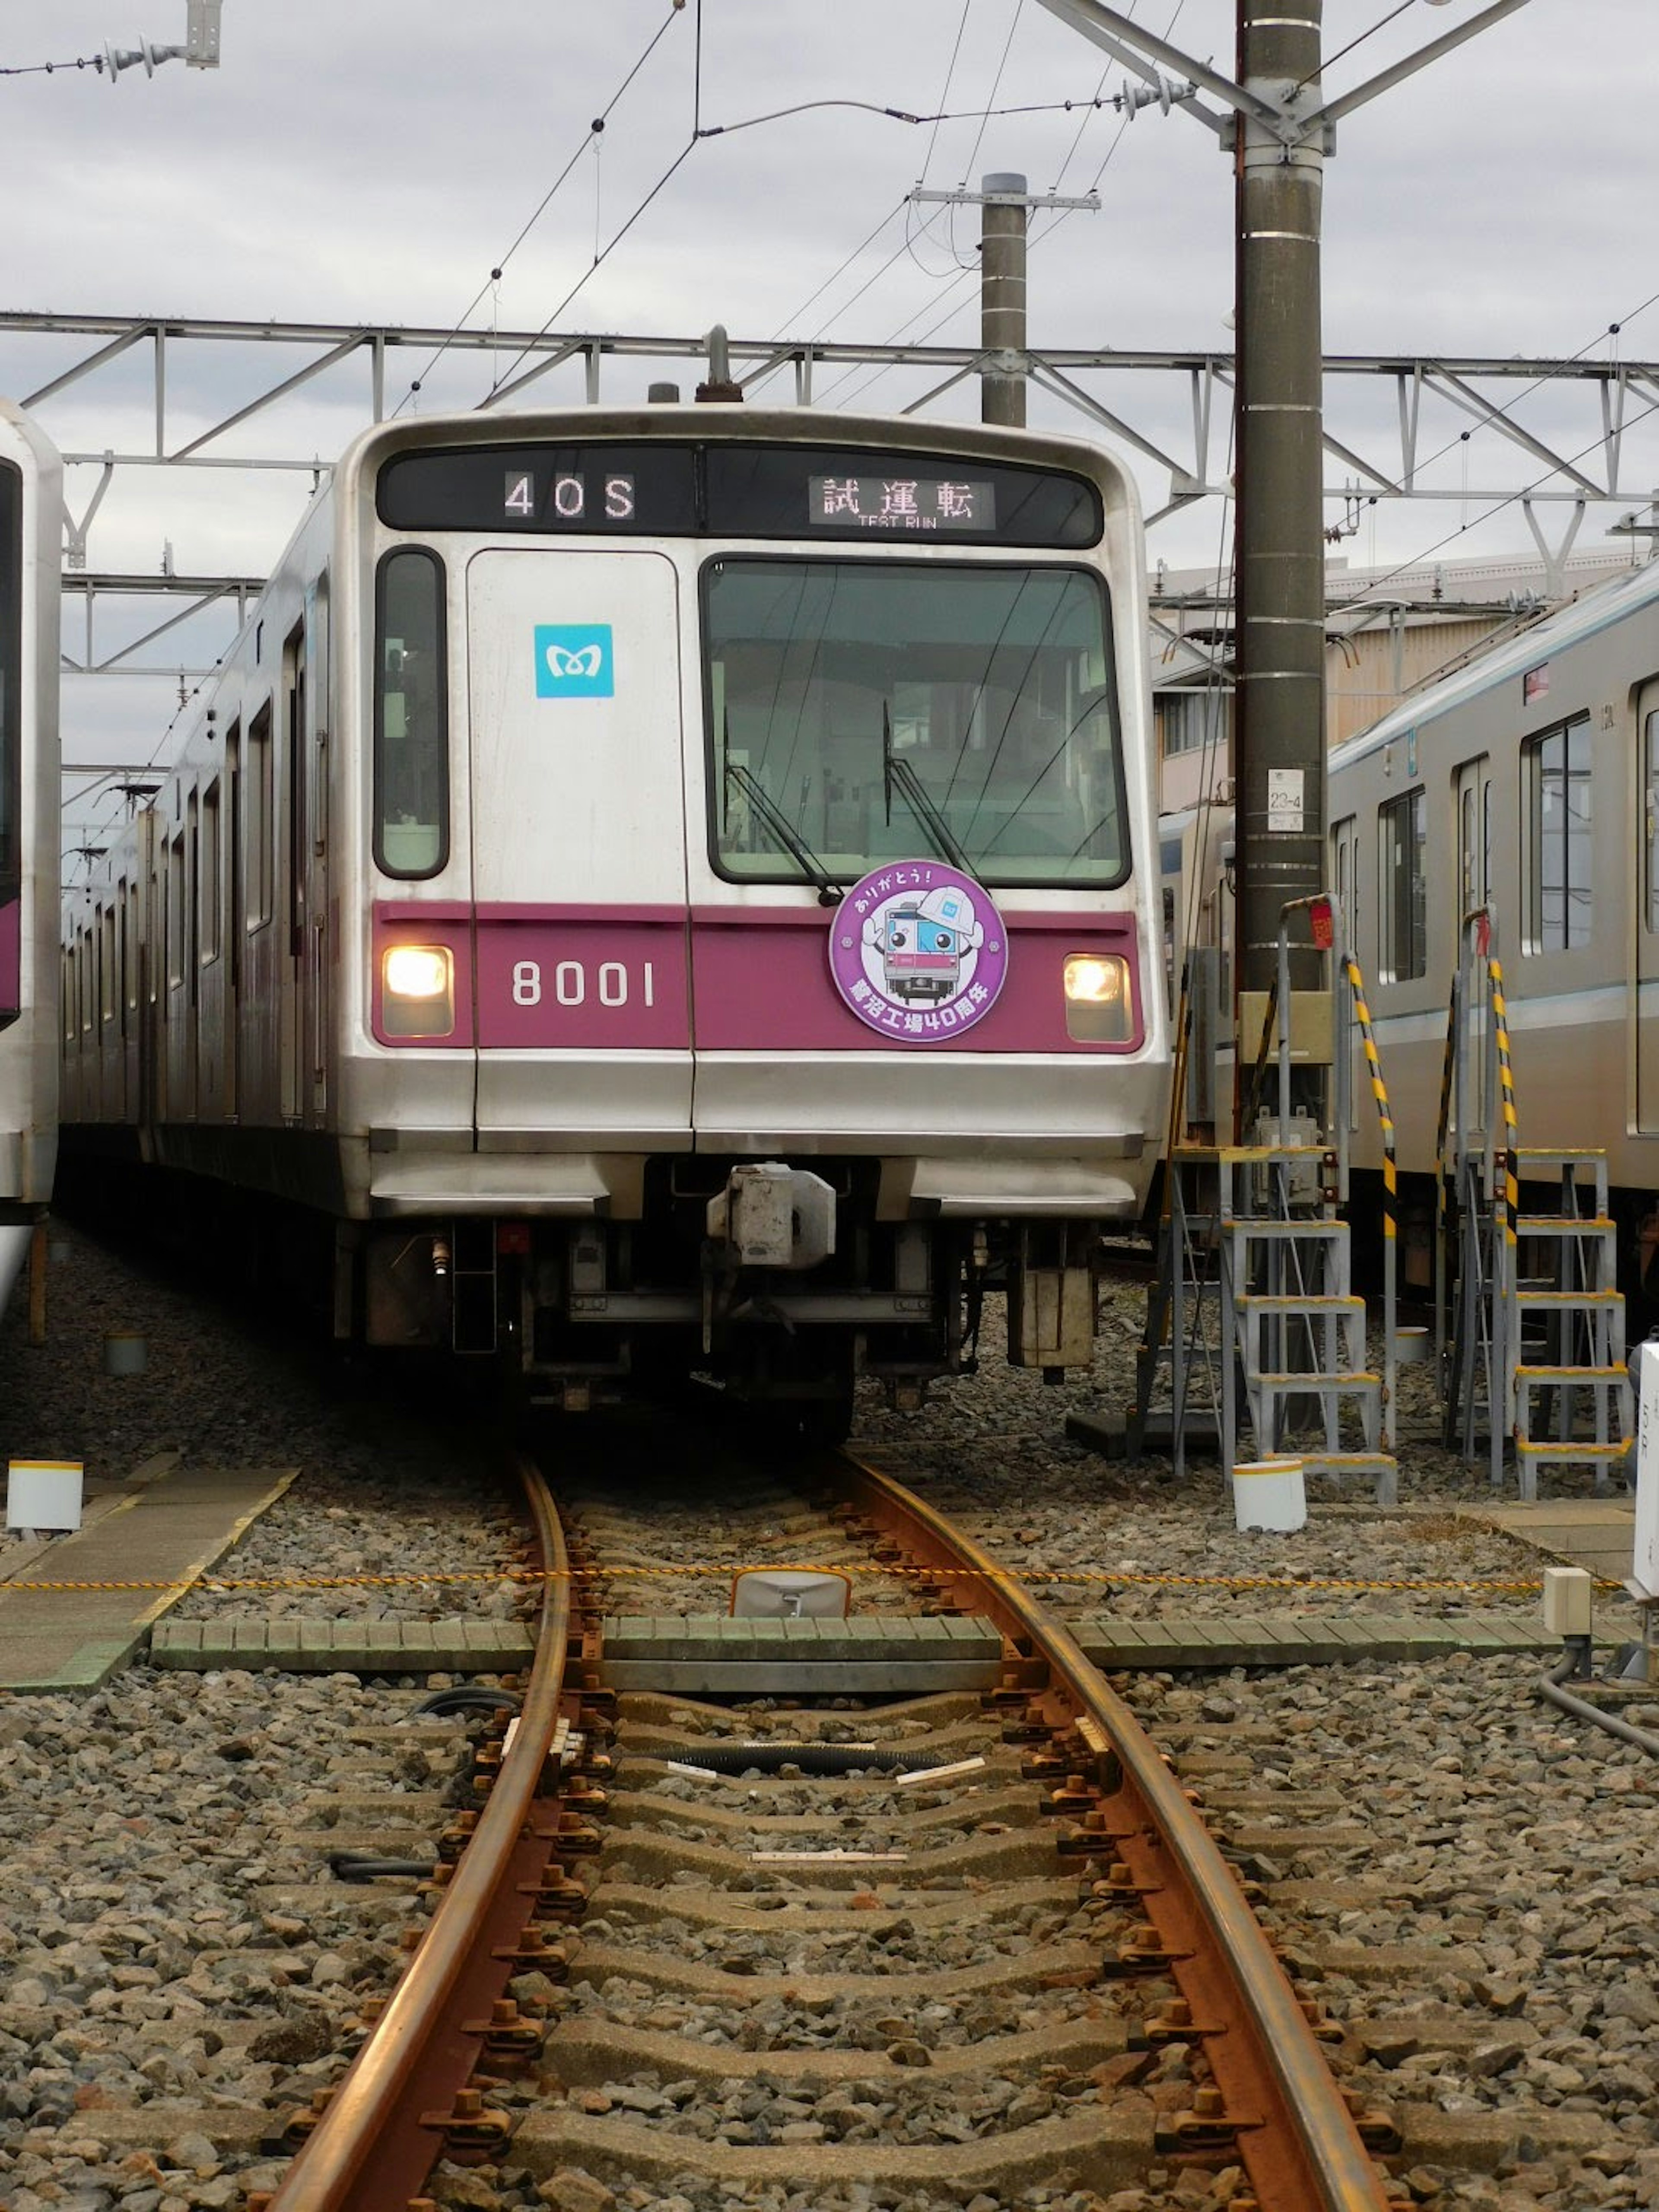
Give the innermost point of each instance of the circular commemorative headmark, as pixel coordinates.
(918, 951)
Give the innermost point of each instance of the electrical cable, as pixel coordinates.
(1046, 231)
(599, 261)
(1550, 1688)
(949, 74)
(52, 69)
(1342, 53)
(968, 166)
(1427, 553)
(594, 130)
(903, 115)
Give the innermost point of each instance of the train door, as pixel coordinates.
(232, 931)
(1473, 800)
(576, 780)
(295, 874)
(315, 1026)
(1345, 878)
(1475, 889)
(1646, 968)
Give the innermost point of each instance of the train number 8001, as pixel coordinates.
(574, 983)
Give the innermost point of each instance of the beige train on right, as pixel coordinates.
(1527, 783)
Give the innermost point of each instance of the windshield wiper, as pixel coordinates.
(899, 773)
(830, 892)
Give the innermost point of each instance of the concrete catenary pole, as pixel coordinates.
(1002, 295)
(1280, 634)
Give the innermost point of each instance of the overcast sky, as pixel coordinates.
(374, 160)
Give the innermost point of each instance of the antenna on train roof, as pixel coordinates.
(719, 385)
(199, 51)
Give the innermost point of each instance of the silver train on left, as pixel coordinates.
(30, 537)
(662, 890)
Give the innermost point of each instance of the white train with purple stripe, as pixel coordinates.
(30, 537)
(666, 888)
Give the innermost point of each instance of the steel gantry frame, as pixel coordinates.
(1625, 392)
(1129, 405)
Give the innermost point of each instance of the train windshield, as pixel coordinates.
(863, 711)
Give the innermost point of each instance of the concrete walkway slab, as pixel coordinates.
(1597, 1534)
(84, 1602)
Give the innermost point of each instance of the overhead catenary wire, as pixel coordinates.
(599, 261)
(96, 62)
(1427, 552)
(590, 140)
(1098, 102)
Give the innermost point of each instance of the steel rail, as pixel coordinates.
(379, 2111)
(1297, 2138)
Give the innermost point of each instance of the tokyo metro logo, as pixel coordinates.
(574, 661)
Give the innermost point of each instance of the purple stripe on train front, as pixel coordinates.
(760, 980)
(582, 978)
(11, 956)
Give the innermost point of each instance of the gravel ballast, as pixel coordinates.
(164, 1943)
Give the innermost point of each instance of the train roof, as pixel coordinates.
(1598, 609)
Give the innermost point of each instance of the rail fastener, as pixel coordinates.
(301, 2120)
(1143, 1953)
(1077, 1794)
(1091, 1839)
(1173, 2023)
(558, 1898)
(471, 2129)
(1207, 2126)
(1319, 2020)
(1033, 1725)
(571, 1836)
(508, 2036)
(534, 1951)
(1120, 1882)
(1377, 2128)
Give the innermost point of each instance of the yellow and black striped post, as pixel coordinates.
(1390, 1195)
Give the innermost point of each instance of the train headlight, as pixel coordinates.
(417, 990)
(1098, 1008)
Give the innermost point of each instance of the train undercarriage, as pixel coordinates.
(779, 1283)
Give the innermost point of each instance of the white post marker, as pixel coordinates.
(43, 1494)
(1270, 1494)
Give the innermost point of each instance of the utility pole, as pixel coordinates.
(1004, 206)
(1002, 293)
(1276, 123)
(1279, 760)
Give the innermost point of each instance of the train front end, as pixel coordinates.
(759, 958)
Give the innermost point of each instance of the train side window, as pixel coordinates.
(1557, 857)
(1345, 877)
(212, 864)
(411, 733)
(1403, 937)
(1650, 805)
(260, 814)
(176, 908)
(106, 967)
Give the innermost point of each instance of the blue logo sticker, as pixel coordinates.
(573, 661)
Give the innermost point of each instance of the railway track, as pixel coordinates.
(985, 1946)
